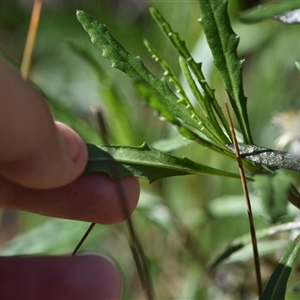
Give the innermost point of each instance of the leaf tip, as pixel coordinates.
(80, 14)
(152, 10)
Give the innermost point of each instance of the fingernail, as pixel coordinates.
(75, 148)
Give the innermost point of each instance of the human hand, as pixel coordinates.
(40, 162)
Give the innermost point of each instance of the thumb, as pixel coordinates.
(35, 151)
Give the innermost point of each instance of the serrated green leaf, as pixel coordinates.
(173, 79)
(223, 43)
(267, 11)
(276, 287)
(153, 100)
(134, 68)
(273, 188)
(143, 162)
(208, 101)
(208, 129)
(212, 126)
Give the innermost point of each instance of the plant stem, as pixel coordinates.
(31, 36)
(248, 205)
(92, 225)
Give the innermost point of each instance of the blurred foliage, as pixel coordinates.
(181, 221)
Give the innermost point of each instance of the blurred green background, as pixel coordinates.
(181, 221)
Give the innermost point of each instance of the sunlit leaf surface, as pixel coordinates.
(265, 156)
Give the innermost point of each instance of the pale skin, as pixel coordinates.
(40, 166)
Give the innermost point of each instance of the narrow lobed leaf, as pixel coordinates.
(144, 162)
(208, 129)
(168, 72)
(134, 68)
(209, 99)
(223, 43)
(211, 125)
(153, 100)
(174, 80)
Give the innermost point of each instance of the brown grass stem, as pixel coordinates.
(248, 204)
(134, 241)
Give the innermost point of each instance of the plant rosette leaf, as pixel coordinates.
(143, 162)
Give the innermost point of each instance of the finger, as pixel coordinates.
(92, 198)
(34, 151)
(79, 277)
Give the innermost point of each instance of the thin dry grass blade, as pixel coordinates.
(135, 245)
(31, 36)
(248, 205)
